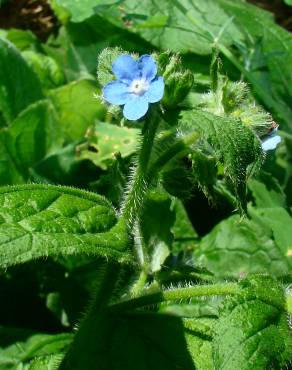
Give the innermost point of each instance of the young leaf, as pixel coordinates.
(40, 220)
(234, 144)
(252, 331)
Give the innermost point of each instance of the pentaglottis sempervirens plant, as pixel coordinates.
(171, 284)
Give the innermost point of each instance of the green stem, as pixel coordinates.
(138, 186)
(176, 295)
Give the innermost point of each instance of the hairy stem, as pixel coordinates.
(176, 295)
(135, 195)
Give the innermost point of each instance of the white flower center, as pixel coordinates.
(139, 87)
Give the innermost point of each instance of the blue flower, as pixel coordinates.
(271, 141)
(136, 85)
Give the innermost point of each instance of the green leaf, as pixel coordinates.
(45, 346)
(41, 220)
(81, 11)
(50, 362)
(77, 107)
(15, 95)
(288, 2)
(234, 145)
(35, 134)
(23, 39)
(183, 231)
(187, 25)
(267, 193)
(144, 342)
(46, 68)
(252, 332)
(78, 45)
(9, 172)
(105, 140)
(261, 244)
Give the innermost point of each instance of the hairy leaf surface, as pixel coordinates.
(40, 221)
(252, 331)
(230, 141)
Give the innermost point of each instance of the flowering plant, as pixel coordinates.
(176, 224)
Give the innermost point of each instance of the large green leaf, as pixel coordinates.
(252, 332)
(41, 348)
(237, 247)
(19, 84)
(143, 342)
(181, 25)
(40, 220)
(77, 107)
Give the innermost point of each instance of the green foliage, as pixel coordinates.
(38, 350)
(104, 141)
(13, 97)
(233, 144)
(69, 101)
(260, 244)
(155, 268)
(178, 81)
(35, 133)
(252, 332)
(40, 220)
(46, 69)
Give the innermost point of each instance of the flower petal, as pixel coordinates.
(148, 67)
(271, 142)
(125, 68)
(135, 108)
(116, 92)
(155, 91)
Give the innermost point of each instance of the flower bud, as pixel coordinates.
(178, 81)
(177, 86)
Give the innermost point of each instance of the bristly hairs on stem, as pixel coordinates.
(137, 186)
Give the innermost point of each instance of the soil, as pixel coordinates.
(34, 15)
